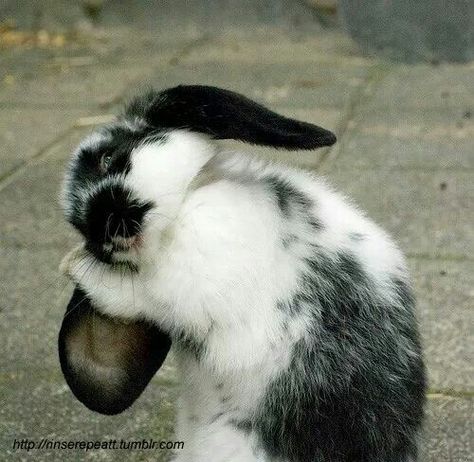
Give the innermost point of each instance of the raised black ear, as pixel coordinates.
(107, 363)
(224, 114)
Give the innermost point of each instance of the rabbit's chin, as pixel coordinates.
(129, 257)
(119, 251)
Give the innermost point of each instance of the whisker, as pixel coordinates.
(133, 293)
(125, 229)
(75, 307)
(136, 223)
(116, 232)
(107, 227)
(160, 214)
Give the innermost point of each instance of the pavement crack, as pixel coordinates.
(405, 168)
(362, 93)
(9, 176)
(449, 393)
(175, 60)
(187, 49)
(430, 257)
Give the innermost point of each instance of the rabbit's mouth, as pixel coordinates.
(117, 250)
(123, 244)
(121, 249)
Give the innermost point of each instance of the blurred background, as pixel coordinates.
(393, 78)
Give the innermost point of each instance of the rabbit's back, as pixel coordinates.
(351, 384)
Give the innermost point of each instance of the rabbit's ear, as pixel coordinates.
(107, 363)
(223, 114)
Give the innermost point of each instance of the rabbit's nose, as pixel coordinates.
(114, 216)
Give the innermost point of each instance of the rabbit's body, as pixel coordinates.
(290, 312)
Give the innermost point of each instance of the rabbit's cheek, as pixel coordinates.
(161, 172)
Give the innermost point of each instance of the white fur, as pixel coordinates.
(212, 265)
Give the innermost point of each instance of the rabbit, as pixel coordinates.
(290, 314)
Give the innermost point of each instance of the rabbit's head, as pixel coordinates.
(133, 174)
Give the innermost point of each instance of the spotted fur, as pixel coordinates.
(291, 313)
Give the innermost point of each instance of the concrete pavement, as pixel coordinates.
(405, 154)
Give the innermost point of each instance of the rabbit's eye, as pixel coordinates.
(105, 162)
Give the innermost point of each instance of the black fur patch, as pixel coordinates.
(354, 389)
(112, 212)
(223, 114)
(117, 142)
(316, 224)
(288, 198)
(244, 426)
(403, 291)
(190, 344)
(326, 277)
(291, 307)
(292, 203)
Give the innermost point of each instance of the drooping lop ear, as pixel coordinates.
(224, 114)
(107, 363)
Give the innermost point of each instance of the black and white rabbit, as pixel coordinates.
(291, 314)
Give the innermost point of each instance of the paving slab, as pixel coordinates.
(268, 45)
(429, 213)
(445, 298)
(112, 46)
(90, 70)
(276, 69)
(26, 132)
(427, 86)
(302, 86)
(31, 307)
(449, 434)
(169, 15)
(81, 87)
(412, 120)
(426, 139)
(30, 206)
(392, 146)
